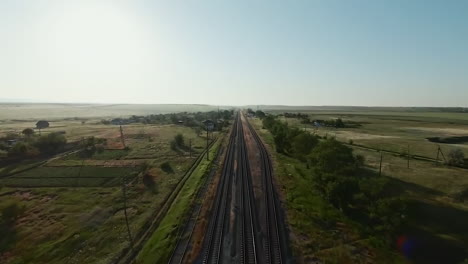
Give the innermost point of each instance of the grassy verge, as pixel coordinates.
(159, 246)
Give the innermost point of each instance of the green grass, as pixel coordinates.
(394, 133)
(68, 176)
(438, 178)
(65, 221)
(429, 187)
(161, 243)
(104, 155)
(16, 167)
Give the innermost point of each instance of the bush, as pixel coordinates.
(166, 167)
(174, 146)
(456, 157)
(149, 182)
(461, 196)
(303, 144)
(28, 132)
(8, 232)
(179, 140)
(51, 143)
(23, 150)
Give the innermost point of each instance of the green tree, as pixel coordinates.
(268, 122)
(51, 143)
(260, 114)
(41, 125)
(387, 214)
(303, 144)
(89, 146)
(8, 217)
(335, 171)
(339, 123)
(332, 156)
(280, 132)
(28, 132)
(179, 140)
(456, 157)
(23, 150)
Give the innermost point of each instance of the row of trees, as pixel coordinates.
(290, 140)
(339, 177)
(33, 146)
(183, 118)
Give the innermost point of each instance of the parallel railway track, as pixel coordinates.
(235, 232)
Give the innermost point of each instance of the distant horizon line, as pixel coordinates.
(27, 101)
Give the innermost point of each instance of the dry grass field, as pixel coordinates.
(71, 208)
(437, 193)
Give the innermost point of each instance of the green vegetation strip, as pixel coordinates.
(68, 177)
(162, 242)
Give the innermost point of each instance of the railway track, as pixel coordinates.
(235, 232)
(220, 215)
(248, 243)
(275, 239)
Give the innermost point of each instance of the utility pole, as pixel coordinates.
(380, 166)
(122, 136)
(124, 191)
(439, 150)
(207, 145)
(190, 148)
(209, 126)
(408, 155)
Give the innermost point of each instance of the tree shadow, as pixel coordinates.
(435, 233)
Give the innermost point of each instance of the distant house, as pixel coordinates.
(41, 124)
(116, 121)
(11, 142)
(209, 124)
(318, 122)
(120, 121)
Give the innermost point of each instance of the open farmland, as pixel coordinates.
(71, 208)
(30, 111)
(394, 131)
(437, 198)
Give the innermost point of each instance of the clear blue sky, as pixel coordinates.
(362, 52)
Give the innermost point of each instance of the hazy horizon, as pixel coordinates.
(302, 53)
(32, 102)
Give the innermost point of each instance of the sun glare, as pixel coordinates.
(91, 37)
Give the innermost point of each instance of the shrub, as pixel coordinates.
(456, 157)
(166, 167)
(23, 150)
(8, 232)
(179, 140)
(461, 196)
(174, 146)
(28, 132)
(51, 143)
(149, 182)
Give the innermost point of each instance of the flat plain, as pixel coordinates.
(72, 208)
(436, 193)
